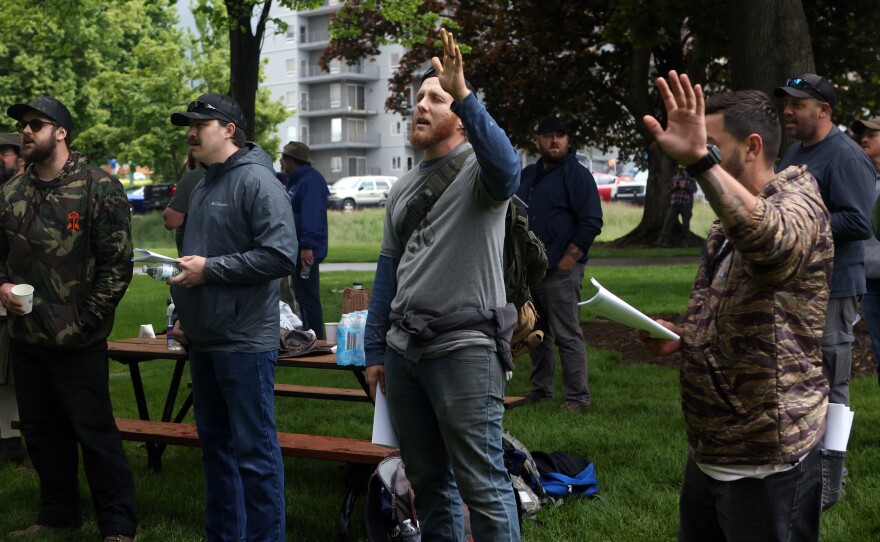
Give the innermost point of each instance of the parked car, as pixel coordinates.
(136, 199)
(607, 185)
(633, 191)
(156, 196)
(349, 193)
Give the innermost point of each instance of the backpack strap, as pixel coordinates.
(418, 206)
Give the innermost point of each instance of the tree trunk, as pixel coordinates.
(244, 56)
(769, 43)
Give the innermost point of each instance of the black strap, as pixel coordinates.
(418, 206)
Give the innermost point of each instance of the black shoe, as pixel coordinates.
(575, 407)
(12, 452)
(532, 397)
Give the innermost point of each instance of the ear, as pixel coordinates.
(60, 133)
(755, 151)
(230, 130)
(824, 109)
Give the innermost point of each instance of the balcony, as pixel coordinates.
(333, 107)
(313, 41)
(352, 140)
(339, 71)
(328, 6)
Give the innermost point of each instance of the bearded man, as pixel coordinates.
(445, 387)
(566, 214)
(65, 229)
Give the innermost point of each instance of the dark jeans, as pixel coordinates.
(781, 507)
(64, 400)
(669, 223)
(871, 310)
(308, 295)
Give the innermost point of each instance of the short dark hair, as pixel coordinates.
(238, 137)
(749, 112)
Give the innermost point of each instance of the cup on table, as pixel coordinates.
(330, 332)
(25, 295)
(147, 332)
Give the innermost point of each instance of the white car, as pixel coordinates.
(634, 190)
(349, 193)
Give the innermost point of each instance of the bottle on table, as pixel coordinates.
(169, 329)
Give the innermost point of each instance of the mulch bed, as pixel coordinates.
(607, 335)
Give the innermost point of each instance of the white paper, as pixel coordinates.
(142, 255)
(606, 304)
(383, 432)
(838, 425)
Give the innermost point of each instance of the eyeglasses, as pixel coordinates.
(34, 124)
(799, 83)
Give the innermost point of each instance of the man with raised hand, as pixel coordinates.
(439, 326)
(752, 389)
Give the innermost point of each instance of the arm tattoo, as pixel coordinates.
(729, 207)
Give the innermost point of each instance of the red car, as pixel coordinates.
(607, 185)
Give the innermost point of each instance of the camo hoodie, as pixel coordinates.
(752, 388)
(70, 238)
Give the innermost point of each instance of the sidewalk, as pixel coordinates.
(598, 262)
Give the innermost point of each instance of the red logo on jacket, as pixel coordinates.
(73, 221)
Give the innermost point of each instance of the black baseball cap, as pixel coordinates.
(552, 124)
(211, 106)
(45, 105)
(808, 85)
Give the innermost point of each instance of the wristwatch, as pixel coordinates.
(706, 162)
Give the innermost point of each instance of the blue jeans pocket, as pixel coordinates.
(832, 477)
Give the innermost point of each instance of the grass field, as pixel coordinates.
(634, 434)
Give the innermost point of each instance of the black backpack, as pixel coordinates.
(390, 513)
(525, 258)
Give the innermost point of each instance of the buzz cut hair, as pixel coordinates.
(749, 112)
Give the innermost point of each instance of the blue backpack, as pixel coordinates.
(564, 475)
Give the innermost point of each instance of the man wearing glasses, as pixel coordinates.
(239, 240)
(846, 182)
(65, 230)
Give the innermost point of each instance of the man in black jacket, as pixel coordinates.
(566, 214)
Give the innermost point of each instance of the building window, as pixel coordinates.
(291, 66)
(395, 128)
(335, 164)
(302, 34)
(395, 163)
(394, 59)
(290, 33)
(409, 163)
(304, 134)
(304, 101)
(335, 95)
(335, 130)
(291, 99)
(335, 66)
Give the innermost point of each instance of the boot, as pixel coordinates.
(12, 451)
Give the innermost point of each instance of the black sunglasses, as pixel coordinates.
(799, 83)
(200, 106)
(35, 125)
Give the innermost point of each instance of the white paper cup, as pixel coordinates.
(330, 332)
(25, 295)
(147, 332)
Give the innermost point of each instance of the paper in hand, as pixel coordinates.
(142, 255)
(606, 304)
(383, 431)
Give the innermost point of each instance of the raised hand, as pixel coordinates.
(684, 139)
(450, 71)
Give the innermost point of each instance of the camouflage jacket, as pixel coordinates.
(752, 388)
(70, 238)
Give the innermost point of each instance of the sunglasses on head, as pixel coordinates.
(34, 124)
(800, 83)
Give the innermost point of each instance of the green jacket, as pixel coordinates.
(752, 387)
(70, 238)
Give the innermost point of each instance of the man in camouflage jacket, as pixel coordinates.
(66, 231)
(752, 389)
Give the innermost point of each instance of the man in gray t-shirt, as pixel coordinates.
(445, 388)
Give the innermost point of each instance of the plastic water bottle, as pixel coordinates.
(169, 328)
(358, 355)
(342, 331)
(305, 272)
(408, 531)
(162, 271)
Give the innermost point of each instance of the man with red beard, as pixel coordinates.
(65, 230)
(846, 181)
(444, 381)
(566, 214)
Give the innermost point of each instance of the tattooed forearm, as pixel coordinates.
(729, 206)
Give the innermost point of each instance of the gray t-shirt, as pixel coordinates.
(454, 260)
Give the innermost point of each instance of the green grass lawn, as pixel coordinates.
(634, 434)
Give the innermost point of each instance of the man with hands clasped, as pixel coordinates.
(752, 390)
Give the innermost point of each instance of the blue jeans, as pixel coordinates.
(447, 412)
(308, 295)
(234, 404)
(871, 310)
